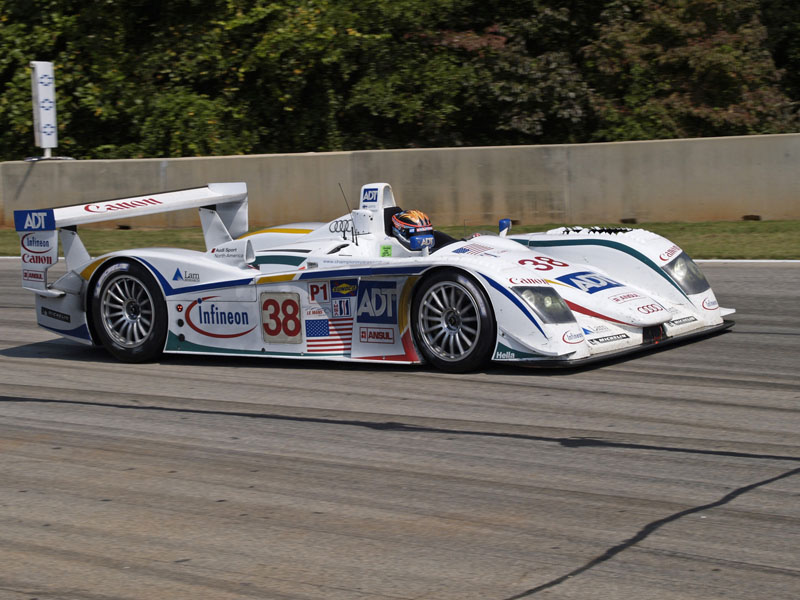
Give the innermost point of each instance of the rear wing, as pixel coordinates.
(39, 230)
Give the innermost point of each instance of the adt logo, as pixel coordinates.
(369, 195)
(377, 302)
(589, 282)
(34, 220)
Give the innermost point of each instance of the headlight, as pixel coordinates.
(687, 274)
(546, 303)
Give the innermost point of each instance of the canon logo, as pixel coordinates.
(34, 259)
(669, 253)
(121, 205)
(527, 281)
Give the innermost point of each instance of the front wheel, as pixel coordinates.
(129, 313)
(453, 322)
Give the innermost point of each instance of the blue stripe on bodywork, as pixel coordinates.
(516, 301)
(609, 244)
(79, 332)
(335, 273)
(171, 291)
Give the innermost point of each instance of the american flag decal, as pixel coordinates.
(329, 335)
(472, 249)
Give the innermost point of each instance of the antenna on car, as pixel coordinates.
(349, 212)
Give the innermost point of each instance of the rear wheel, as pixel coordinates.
(453, 322)
(129, 313)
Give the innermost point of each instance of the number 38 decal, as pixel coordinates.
(280, 317)
(542, 263)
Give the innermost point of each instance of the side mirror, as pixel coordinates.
(505, 227)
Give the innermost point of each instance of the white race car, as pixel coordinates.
(350, 290)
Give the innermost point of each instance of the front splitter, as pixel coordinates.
(606, 356)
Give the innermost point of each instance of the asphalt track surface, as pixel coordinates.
(671, 475)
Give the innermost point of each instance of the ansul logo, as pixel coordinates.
(378, 335)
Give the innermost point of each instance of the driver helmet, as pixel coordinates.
(409, 223)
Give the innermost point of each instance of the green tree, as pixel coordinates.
(685, 68)
(782, 20)
(134, 78)
(147, 78)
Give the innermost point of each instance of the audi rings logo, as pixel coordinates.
(649, 309)
(340, 226)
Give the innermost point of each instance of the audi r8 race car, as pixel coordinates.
(377, 285)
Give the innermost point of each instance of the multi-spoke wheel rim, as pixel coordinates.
(448, 321)
(127, 309)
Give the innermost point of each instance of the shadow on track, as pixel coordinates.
(60, 349)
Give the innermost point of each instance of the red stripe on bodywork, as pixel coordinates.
(591, 313)
(410, 353)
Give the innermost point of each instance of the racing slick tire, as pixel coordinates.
(128, 312)
(452, 322)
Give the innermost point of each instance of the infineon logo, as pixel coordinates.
(212, 320)
(35, 245)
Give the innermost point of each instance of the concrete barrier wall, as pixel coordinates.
(670, 180)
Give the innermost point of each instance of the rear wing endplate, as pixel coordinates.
(39, 229)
